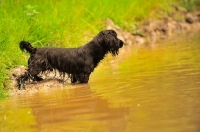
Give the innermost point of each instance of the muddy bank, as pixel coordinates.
(51, 80)
(151, 32)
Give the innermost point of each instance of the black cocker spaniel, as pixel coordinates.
(78, 63)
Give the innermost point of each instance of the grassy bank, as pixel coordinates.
(64, 23)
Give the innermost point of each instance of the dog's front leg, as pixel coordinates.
(84, 78)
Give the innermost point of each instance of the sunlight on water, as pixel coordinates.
(142, 90)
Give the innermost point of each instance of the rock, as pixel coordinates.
(189, 18)
(14, 74)
(19, 70)
(198, 16)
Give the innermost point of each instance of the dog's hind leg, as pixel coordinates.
(31, 74)
(73, 78)
(21, 80)
(34, 70)
(37, 65)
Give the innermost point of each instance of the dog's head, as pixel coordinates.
(109, 41)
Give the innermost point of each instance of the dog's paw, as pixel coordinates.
(36, 78)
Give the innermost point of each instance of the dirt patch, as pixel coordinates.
(51, 80)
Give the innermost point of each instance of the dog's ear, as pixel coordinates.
(100, 38)
(111, 32)
(110, 37)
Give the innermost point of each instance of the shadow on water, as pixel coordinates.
(143, 89)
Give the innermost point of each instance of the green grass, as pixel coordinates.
(62, 23)
(190, 5)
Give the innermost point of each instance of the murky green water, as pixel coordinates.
(142, 90)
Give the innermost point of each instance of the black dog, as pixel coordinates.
(78, 63)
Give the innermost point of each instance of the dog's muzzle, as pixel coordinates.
(121, 43)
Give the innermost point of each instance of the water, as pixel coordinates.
(148, 89)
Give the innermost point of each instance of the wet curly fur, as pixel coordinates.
(78, 63)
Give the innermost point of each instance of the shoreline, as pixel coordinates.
(151, 32)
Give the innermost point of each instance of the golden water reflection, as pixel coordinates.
(143, 90)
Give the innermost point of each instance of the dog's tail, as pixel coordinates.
(24, 45)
